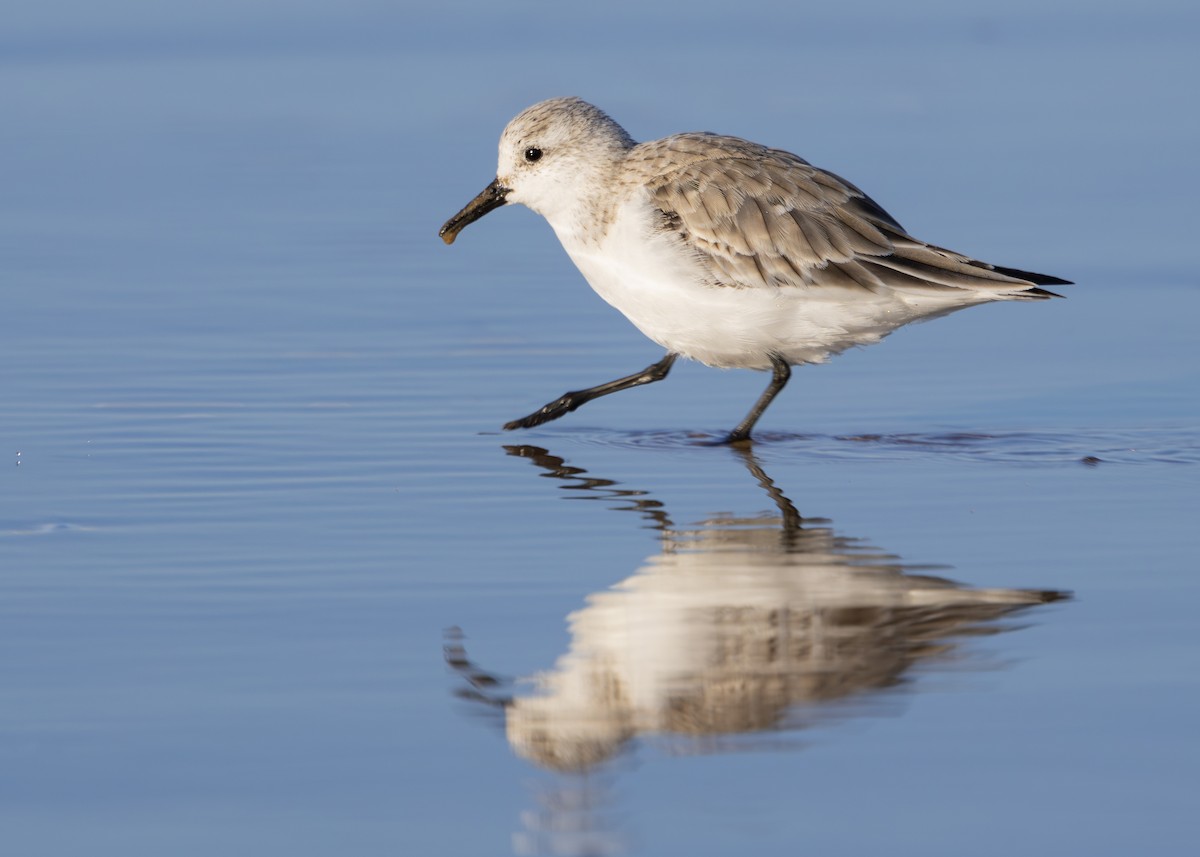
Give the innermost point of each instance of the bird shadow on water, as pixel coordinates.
(738, 634)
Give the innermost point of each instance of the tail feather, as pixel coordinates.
(1040, 279)
(940, 267)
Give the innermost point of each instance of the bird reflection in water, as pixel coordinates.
(738, 629)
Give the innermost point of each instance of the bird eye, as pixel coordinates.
(533, 154)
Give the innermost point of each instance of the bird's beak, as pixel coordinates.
(492, 196)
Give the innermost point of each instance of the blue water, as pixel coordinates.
(272, 579)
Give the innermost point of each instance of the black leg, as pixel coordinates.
(779, 378)
(568, 402)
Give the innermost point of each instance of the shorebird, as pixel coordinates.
(725, 251)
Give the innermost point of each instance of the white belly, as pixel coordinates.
(650, 278)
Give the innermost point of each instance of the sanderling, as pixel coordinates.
(723, 250)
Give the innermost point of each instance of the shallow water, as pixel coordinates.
(272, 578)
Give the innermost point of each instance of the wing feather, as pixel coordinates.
(759, 217)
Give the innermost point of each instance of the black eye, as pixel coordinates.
(533, 154)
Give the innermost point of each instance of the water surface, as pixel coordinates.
(272, 579)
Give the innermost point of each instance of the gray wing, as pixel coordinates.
(763, 217)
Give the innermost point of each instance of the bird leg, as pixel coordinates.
(779, 378)
(568, 402)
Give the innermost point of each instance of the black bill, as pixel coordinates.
(492, 196)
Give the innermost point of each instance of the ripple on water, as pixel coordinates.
(47, 529)
(1089, 447)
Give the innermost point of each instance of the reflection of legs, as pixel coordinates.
(568, 402)
(792, 519)
(779, 378)
(485, 686)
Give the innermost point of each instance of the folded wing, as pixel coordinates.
(759, 217)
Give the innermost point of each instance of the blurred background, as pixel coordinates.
(271, 577)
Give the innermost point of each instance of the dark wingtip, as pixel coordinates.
(1030, 276)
